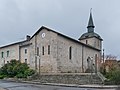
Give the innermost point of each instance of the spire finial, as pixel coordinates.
(90, 10)
(90, 23)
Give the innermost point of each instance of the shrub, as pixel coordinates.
(20, 75)
(29, 72)
(16, 69)
(2, 76)
(113, 77)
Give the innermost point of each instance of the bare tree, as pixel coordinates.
(110, 57)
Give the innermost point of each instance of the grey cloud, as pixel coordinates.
(21, 17)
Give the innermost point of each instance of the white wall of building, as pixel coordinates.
(13, 53)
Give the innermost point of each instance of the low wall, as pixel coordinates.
(69, 78)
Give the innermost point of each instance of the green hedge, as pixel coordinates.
(113, 77)
(16, 69)
(2, 76)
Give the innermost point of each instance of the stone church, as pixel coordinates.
(49, 51)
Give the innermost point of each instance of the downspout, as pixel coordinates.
(35, 53)
(82, 58)
(19, 54)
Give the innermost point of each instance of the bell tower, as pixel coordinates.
(90, 37)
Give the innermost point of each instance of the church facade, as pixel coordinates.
(48, 51)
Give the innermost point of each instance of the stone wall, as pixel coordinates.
(70, 78)
(59, 58)
(80, 53)
(93, 42)
(47, 61)
(65, 64)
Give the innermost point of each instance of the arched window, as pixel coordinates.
(26, 61)
(7, 53)
(86, 41)
(25, 51)
(70, 52)
(48, 49)
(42, 50)
(37, 51)
(89, 62)
(2, 54)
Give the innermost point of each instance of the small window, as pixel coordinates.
(2, 54)
(48, 49)
(86, 41)
(98, 43)
(70, 52)
(43, 50)
(37, 51)
(7, 61)
(7, 53)
(25, 60)
(35, 63)
(25, 51)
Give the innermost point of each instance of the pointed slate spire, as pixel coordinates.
(90, 23)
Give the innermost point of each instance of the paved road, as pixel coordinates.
(24, 86)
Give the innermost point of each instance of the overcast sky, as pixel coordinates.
(70, 17)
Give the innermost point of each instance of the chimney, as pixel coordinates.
(27, 37)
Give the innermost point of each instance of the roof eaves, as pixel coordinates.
(78, 41)
(43, 27)
(13, 44)
(91, 37)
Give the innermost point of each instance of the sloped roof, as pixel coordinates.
(90, 23)
(77, 41)
(90, 35)
(43, 27)
(13, 44)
